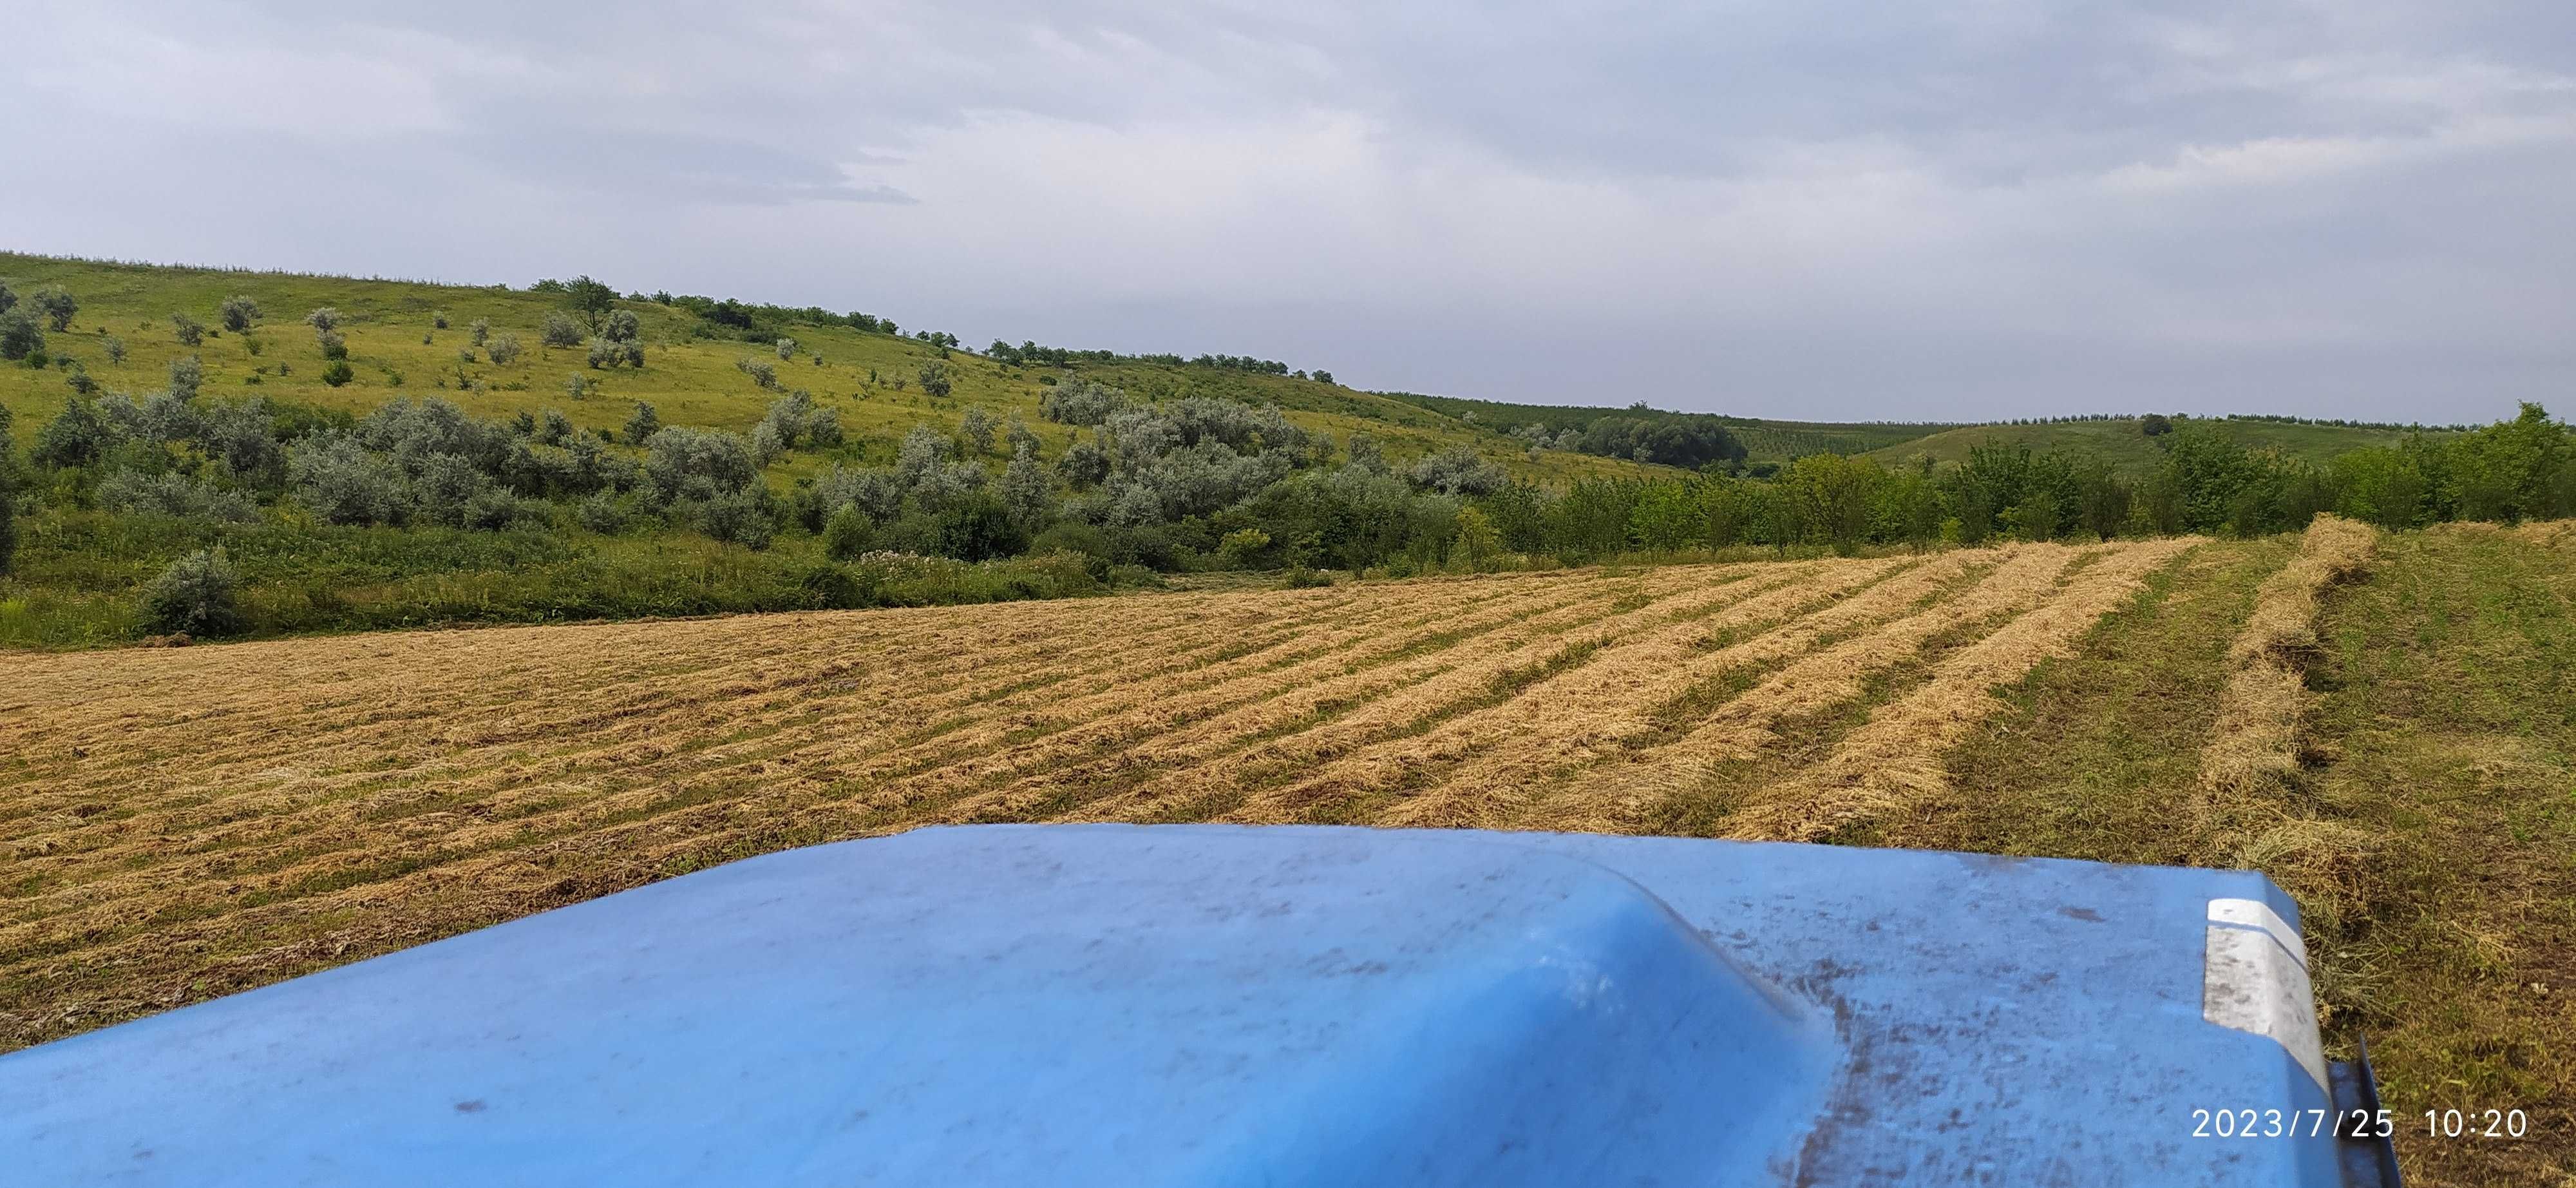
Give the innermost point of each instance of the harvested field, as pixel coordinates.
(181, 823)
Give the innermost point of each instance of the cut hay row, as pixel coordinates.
(318, 777)
(1895, 757)
(677, 703)
(647, 788)
(186, 822)
(1134, 782)
(442, 692)
(2254, 745)
(1548, 714)
(302, 846)
(1380, 743)
(2549, 533)
(614, 851)
(964, 791)
(1744, 725)
(1611, 703)
(1134, 713)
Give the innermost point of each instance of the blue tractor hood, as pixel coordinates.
(1118, 1005)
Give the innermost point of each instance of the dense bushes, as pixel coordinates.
(1170, 483)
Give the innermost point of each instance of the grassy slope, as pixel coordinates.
(694, 382)
(2120, 442)
(2445, 739)
(689, 381)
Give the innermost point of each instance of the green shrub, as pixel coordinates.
(1242, 548)
(338, 373)
(847, 534)
(603, 513)
(54, 304)
(189, 331)
(559, 330)
(187, 374)
(737, 518)
(197, 594)
(238, 313)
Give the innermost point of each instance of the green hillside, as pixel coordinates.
(197, 468)
(1764, 440)
(869, 378)
(2125, 444)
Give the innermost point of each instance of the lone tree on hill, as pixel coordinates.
(591, 299)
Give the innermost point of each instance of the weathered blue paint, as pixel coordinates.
(1208, 1005)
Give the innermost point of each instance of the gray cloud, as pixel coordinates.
(1828, 209)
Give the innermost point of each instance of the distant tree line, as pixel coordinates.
(2204, 482)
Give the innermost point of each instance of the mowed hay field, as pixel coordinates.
(2383, 722)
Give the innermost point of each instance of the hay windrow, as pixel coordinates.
(182, 822)
(2254, 745)
(1583, 697)
(1895, 757)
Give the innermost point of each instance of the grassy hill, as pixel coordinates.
(2124, 443)
(870, 378)
(1764, 440)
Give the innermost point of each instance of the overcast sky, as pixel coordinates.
(1810, 208)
